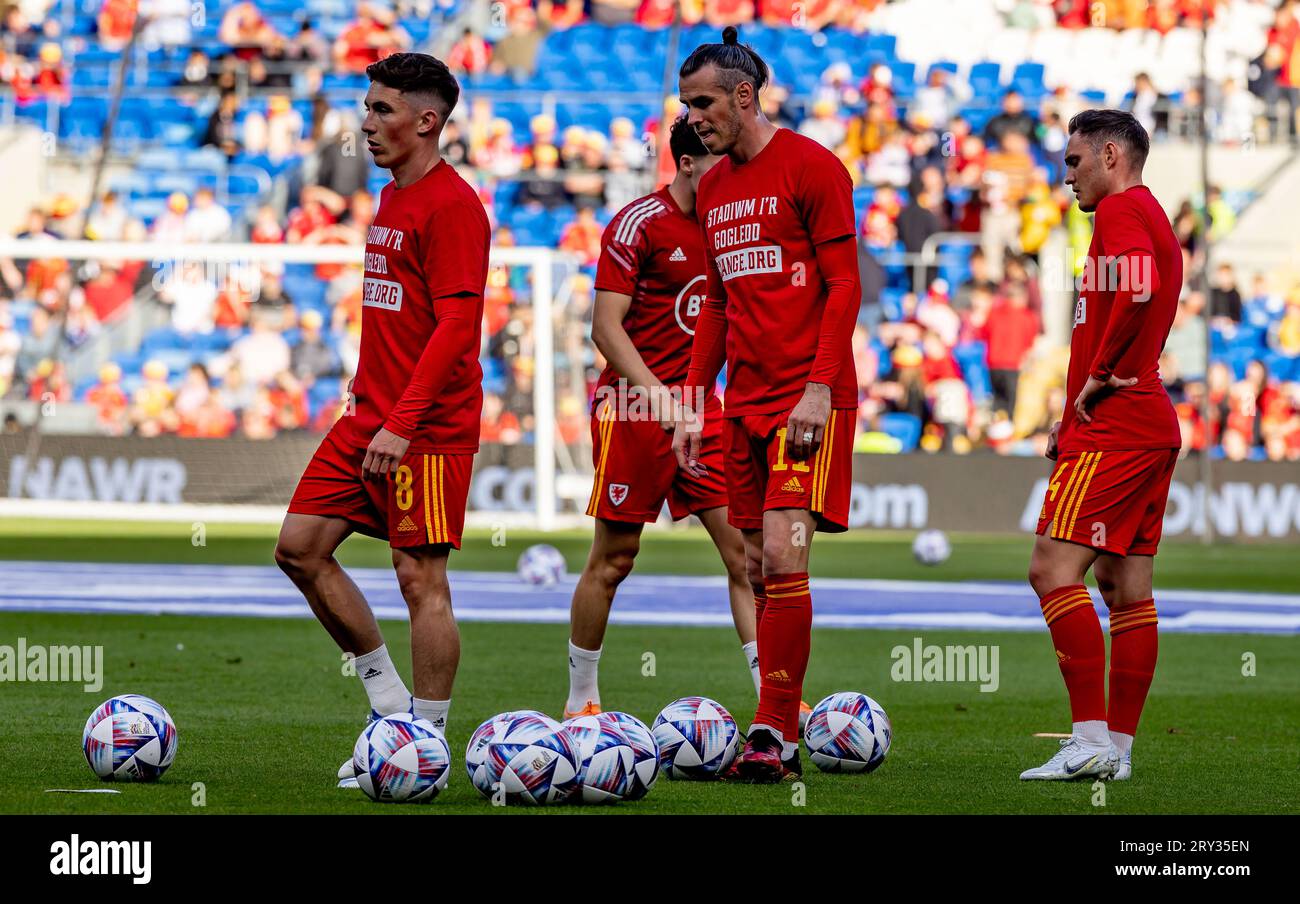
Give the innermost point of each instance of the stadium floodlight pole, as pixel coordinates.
(34, 436)
(1207, 469)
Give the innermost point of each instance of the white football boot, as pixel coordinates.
(1074, 762)
(1124, 771)
(348, 772)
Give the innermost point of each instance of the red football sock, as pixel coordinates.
(784, 640)
(1080, 649)
(760, 605)
(1133, 649)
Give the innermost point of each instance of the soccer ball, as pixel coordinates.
(696, 737)
(606, 757)
(130, 738)
(542, 566)
(645, 756)
(401, 759)
(534, 759)
(931, 547)
(476, 750)
(848, 732)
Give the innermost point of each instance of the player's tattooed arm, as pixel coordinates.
(616, 345)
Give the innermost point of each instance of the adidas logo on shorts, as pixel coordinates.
(792, 486)
(677, 255)
(407, 525)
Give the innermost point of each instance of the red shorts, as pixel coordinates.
(636, 470)
(1113, 501)
(422, 503)
(759, 476)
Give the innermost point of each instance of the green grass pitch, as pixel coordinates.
(265, 713)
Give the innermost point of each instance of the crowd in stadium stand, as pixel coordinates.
(957, 363)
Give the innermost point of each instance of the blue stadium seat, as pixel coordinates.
(906, 428)
(1028, 79)
(985, 79)
(883, 44)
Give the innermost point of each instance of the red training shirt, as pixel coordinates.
(763, 223)
(1134, 254)
(426, 268)
(654, 252)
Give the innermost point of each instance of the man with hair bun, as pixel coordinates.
(782, 300)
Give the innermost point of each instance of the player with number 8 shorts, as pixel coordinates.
(397, 464)
(782, 300)
(1115, 450)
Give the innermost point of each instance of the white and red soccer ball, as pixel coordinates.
(401, 759)
(129, 738)
(848, 732)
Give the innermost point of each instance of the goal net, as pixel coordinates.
(143, 380)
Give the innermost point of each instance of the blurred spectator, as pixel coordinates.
(824, 126)
(108, 219)
(614, 12)
(1013, 119)
(261, 354)
(1284, 338)
(373, 36)
(114, 24)
(470, 55)
(342, 164)
(1039, 214)
(454, 147)
(109, 401)
(207, 221)
(1186, 343)
(271, 304)
(168, 23)
(40, 342)
(170, 225)
(308, 45)
(277, 133)
(625, 144)
(244, 28)
(1225, 300)
(546, 190)
(516, 53)
(582, 237)
(266, 228)
(1010, 333)
(151, 413)
(108, 293)
(1007, 175)
(192, 297)
(223, 131)
(1148, 105)
(312, 358)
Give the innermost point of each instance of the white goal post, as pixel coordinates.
(549, 270)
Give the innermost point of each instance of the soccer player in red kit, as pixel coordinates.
(649, 286)
(1115, 450)
(397, 465)
(782, 300)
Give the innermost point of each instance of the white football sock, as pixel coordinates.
(583, 688)
(1123, 742)
(384, 686)
(1092, 734)
(433, 710)
(751, 659)
(788, 750)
